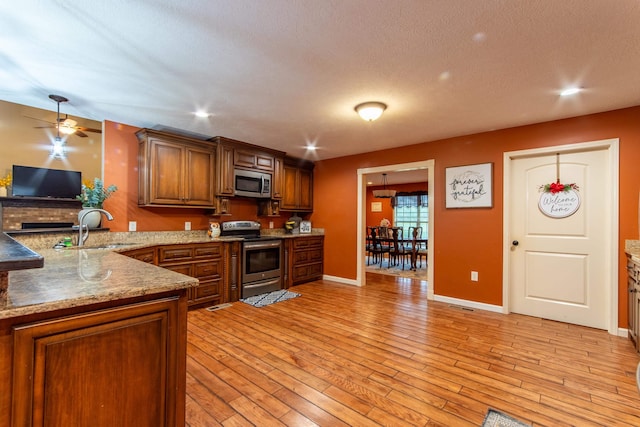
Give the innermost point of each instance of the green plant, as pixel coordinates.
(94, 193)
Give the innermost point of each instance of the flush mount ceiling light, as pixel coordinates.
(570, 91)
(384, 193)
(370, 111)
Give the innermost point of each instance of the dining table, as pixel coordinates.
(413, 240)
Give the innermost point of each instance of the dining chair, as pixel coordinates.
(377, 248)
(397, 249)
(371, 256)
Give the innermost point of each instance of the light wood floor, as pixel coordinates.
(341, 355)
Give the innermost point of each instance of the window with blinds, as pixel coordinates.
(411, 210)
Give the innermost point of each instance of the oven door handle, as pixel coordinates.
(263, 245)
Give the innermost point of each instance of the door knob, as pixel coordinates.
(515, 243)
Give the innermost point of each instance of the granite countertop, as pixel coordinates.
(15, 256)
(79, 277)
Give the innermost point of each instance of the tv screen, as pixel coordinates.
(41, 182)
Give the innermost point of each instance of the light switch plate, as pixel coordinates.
(133, 226)
(187, 225)
(474, 276)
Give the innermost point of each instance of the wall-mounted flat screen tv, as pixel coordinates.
(41, 182)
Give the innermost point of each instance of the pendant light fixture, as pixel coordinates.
(370, 111)
(58, 150)
(384, 193)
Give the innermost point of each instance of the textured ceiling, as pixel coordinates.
(286, 73)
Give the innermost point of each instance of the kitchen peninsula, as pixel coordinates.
(91, 338)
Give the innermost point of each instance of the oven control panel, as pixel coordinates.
(240, 225)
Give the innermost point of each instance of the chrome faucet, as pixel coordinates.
(84, 236)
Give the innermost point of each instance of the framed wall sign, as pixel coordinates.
(305, 227)
(469, 186)
(376, 206)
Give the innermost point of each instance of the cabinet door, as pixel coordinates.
(277, 178)
(250, 159)
(289, 180)
(116, 367)
(199, 177)
(305, 190)
(166, 178)
(225, 170)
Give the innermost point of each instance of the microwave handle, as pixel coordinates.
(262, 183)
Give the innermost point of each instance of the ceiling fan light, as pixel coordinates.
(370, 111)
(67, 130)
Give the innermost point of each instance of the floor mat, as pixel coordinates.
(270, 298)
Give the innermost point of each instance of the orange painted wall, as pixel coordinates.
(471, 239)
(121, 169)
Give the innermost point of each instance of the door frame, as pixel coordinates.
(612, 146)
(362, 216)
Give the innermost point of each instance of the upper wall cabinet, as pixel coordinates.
(175, 170)
(297, 186)
(234, 154)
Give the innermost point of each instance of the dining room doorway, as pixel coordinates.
(425, 169)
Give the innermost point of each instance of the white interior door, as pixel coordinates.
(559, 267)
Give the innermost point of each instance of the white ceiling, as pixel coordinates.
(286, 73)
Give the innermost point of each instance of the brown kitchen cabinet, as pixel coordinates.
(297, 186)
(253, 159)
(125, 363)
(147, 255)
(205, 262)
(305, 259)
(633, 295)
(175, 170)
(225, 169)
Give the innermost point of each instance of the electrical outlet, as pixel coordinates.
(270, 224)
(474, 276)
(133, 226)
(187, 225)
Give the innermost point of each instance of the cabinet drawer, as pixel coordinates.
(307, 242)
(211, 269)
(312, 255)
(208, 250)
(174, 253)
(144, 255)
(182, 268)
(206, 289)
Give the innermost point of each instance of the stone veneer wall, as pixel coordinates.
(14, 212)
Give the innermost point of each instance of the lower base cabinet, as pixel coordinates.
(120, 366)
(207, 262)
(305, 259)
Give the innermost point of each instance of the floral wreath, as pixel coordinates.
(557, 187)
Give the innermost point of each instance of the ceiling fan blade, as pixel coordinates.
(80, 128)
(80, 134)
(42, 120)
(44, 127)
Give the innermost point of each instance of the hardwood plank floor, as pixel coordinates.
(341, 355)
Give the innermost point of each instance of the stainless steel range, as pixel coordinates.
(261, 257)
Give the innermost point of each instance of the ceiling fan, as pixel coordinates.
(64, 124)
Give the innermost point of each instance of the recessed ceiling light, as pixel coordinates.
(311, 148)
(570, 91)
(202, 114)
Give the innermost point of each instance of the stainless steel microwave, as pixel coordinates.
(252, 184)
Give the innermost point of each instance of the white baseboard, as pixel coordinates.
(468, 304)
(352, 282)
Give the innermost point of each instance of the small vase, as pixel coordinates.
(92, 219)
(3, 191)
